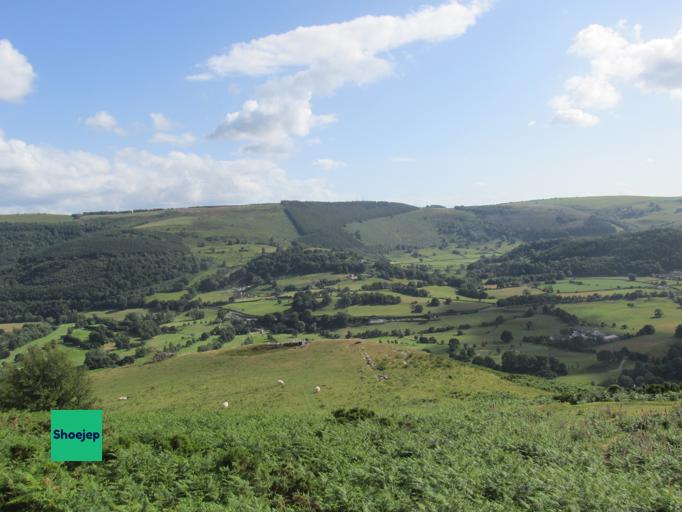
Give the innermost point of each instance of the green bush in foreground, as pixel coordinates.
(480, 456)
(44, 379)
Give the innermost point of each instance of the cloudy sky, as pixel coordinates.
(175, 103)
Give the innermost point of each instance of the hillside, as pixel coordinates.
(322, 224)
(90, 272)
(247, 378)
(654, 251)
(360, 224)
(527, 221)
(633, 211)
(432, 436)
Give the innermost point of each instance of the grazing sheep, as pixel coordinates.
(280, 382)
(123, 398)
(226, 404)
(317, 389)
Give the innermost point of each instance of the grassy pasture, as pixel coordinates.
(445, 258)
(247, 378)
(503, 293)
(617, 312)
(598, 284)
(259, 307)
(654, 345)
(75, 355)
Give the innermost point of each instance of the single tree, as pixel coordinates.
(678, 331)
(506, 337)
(647, 330)
(453, 345)
(44, 379)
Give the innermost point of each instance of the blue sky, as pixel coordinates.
(444, 102)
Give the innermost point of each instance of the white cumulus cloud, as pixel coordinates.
(617, 55)
(328, 164)
(163, 126)
(105, 121)
(40, 178)
(16, 73)
(161, 122)
(320, 59)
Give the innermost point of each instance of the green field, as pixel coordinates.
(588, 284)
(609, 313)
(247, 378)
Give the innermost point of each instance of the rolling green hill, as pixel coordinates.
(362, 224)
(247, 378)
(531, 220)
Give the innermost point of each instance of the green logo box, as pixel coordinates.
(76, 435)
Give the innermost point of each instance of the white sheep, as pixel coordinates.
(280, 382)
(317, 389)
(226, 404)
(123, 398)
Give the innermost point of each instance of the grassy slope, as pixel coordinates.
(642, 313)
(447, 437)
(420, 227)
(415, 228)
(75, 355)
(246, 377)
(610, 205)
(255, 223)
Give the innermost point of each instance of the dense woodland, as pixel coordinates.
(91, 272)
(643, 253)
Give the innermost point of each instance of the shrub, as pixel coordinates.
(647, 330)
(98, 358)
(44, 379)
(353, 415)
